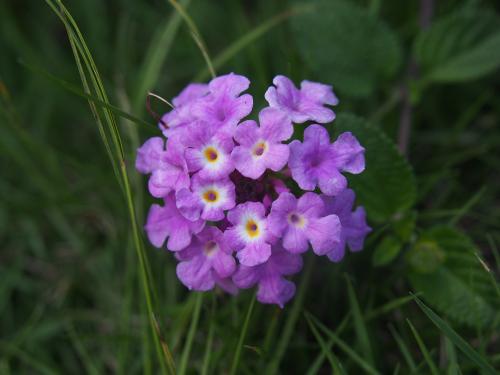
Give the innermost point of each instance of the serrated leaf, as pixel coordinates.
(459, 47)
(460, 287)
(347, 46)
(387, 185)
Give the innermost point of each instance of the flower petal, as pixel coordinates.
(275, 125)
(349, 154)
(275, 290)
(224, 264)
(196, 273)
(295, 240)
(254, 253)
(276, 157)
(324, 233)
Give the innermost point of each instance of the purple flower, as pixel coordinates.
(272, 286)
(300, 222)
(167, 221)
(354, 227)
(206, 261)
(208, 151)
(192, 92)
(304, 104)
(260, 147)
(172, 172)
(226, 284)
(249, 235)
(317, 162)
(224, 107)
(149, 155)
(181, 116)
(207, 198)
(168, 168)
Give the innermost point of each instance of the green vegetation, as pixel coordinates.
(82, 291)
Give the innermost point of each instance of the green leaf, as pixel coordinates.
(386, 251)
(347, 46)
(459, 47)
(387, 186)
(454, 337)
(404, 226)
(459, 287)
(426, 256)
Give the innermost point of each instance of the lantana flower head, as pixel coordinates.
(244, 199)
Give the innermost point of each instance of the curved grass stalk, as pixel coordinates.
(117, 156)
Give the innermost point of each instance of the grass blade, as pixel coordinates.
(404, 350)
(453, 368)
(238, 45)
(316, 365)
(359, 323)
(192, 331)
(155, 57)
(423, 349)
(456, 339)
(85, 358)
(325, 348)
(195, 34)
(111, 136)
(40, 367)
(208, 350)
(239, 346)
(292, 319)
(345, 348)
(389, 306)
(75, 90)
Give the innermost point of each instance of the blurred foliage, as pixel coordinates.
(72, 295)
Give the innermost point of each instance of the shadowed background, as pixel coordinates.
(421, 75)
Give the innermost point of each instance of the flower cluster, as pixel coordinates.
(229, 214)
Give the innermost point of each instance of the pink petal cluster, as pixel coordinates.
(242, 201)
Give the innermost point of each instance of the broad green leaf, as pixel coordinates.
(425, 256)
(387, 185)
(386, 251)
(459, 287)
(404, 226)
(459, 47)
(346, 46)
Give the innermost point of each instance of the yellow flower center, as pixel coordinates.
(252, 228)
(210, 195)
(211, 154)
(259, 149)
